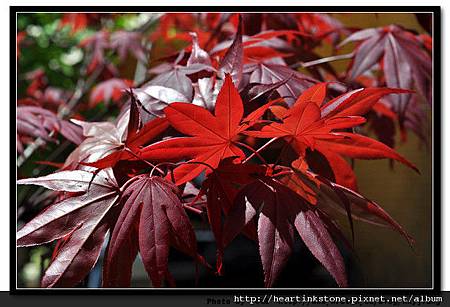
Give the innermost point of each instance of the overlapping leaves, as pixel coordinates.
(193, 124)
(310, 124)
(213, 137)
(404, 61)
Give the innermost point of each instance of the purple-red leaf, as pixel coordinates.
(153, 209)
(264, 73)
(318, 240)
(278, 210)
(232, 62)
(84, 218)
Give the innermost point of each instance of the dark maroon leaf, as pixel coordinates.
(361, 208)
(404, 61)
(272, 73)
(151, 205)
(316, 237)
(278, 210)
(221, 187)
(260, 90)
(84, 217)
(232, 62)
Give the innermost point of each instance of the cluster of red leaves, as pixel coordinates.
(79, 21)
(197, 123)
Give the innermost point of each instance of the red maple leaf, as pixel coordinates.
(213, 137)
(109, 90)
(311, 125)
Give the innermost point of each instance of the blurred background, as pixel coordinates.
(383, 258)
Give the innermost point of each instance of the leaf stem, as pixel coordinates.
(253, 151)
(145, 161)
(160, 164)
(324, 60)
(260, 149)
(283, 173)
(127, 183)
(198, 162)
(195, 210)
(283, 150)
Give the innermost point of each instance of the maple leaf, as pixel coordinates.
(172, 83)
(403, 59)
(213, 137)
(416, 120)
(125, 42)
(106, 143)
(96, 44)
(153, 214)
(321, 26)
(311, 125)
(278, 210)
(39, 122)
(109, 90)
(102, 138)
(154, 98)
(333, 198)
(260, 47)
(232, 61)
(263, 46)
(265, 73)
(221, 187)
(82, 219)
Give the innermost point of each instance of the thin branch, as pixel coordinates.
(283, 173)
(324, 60)
(29, 150)
(155, 167)
(260, 149)
(253, 151)
(80, 89)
